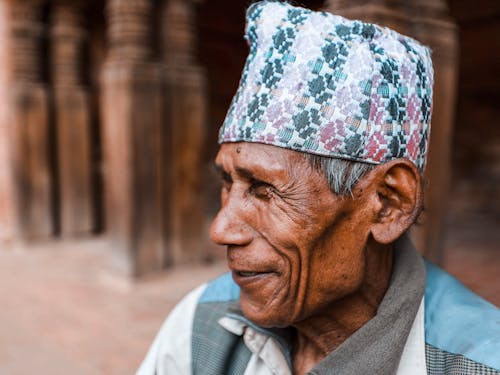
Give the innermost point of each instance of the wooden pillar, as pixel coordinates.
(72, 119)
(6, 194)
(131, 104)
(428, 22)
(25, 120)
(186, 113)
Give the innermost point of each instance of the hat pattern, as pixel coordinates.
(319, 83)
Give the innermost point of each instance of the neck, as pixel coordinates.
(320, 334)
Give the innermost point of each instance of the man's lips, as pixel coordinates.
(251, 273)
(247, 278)
(246, 273)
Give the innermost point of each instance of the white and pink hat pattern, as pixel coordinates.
(322, 84)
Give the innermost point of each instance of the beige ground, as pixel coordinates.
(63, 312)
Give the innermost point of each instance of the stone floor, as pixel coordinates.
(64, 313)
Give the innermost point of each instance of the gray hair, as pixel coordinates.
(342, 175)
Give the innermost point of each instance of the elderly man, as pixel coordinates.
(321, 158)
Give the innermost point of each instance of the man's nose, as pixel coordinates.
(229, 227)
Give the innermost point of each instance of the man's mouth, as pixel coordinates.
(247, 278)
(247, 273)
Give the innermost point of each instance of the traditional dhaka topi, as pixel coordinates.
(322, 84)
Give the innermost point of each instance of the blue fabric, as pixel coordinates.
(460, 322)
(222, 289)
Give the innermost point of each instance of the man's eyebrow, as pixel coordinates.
(245, 173)
(240, 171)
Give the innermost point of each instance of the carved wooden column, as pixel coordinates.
(429, 22)
(27, 123)
(131, 106)
(186, 113)
(6, 193)
(72, 119)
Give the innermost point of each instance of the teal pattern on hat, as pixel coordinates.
(319, 83)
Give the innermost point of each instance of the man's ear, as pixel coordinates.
(397, 199)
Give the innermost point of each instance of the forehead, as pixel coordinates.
(260, 159)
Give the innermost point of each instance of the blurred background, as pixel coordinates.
(109, 112)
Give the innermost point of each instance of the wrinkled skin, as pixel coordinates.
(303, 256)
(285, 224)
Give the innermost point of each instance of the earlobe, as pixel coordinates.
(399, 200)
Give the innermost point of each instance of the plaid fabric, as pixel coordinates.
(319, 83)
(440, 362)
(216, 351)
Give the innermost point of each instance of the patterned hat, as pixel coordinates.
(322, 84)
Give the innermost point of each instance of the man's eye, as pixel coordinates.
(262, 190)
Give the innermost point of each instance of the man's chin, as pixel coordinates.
(266, 317)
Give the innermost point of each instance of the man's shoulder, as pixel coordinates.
(460, 322)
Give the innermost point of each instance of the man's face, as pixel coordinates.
(294, 247)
